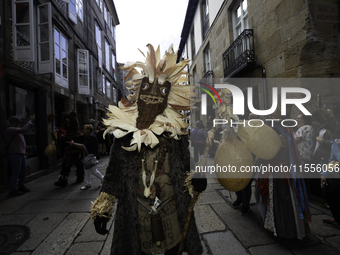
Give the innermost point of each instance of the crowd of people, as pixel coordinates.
(280, 200)
(304, 146)
(72, 145)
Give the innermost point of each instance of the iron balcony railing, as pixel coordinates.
(240, 54)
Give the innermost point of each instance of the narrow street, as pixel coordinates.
(59, 223)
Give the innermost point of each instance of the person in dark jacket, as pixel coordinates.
(198, 138)
(71, 155)
(15, 140)
(91, 145)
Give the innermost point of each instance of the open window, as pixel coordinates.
(23, 30)
(80, 9)
(45, 42)
(72, 11)
(83, 72)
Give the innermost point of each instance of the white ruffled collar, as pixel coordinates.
(122, 121)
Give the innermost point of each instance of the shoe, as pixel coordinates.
(80, 179)
(325, 206)
(331, 223)
(23, 189)
(62, 182)
(85, 187)
(15, 193)
(245, 210)
(237, 203)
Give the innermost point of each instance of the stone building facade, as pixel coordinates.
(226, 39)
(55, 56)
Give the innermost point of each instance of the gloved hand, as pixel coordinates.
(199, 182)
(100, 225)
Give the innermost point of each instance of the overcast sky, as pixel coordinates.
(158, 22)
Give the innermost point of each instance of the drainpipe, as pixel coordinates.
(264, 87)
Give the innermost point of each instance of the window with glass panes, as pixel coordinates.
(108, 89)
(107, 55)
(99, 44)
(207, 60)
(60, 58)
(240, 23)
(104, 87)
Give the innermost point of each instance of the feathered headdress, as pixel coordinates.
(163, 69)
(122, 120)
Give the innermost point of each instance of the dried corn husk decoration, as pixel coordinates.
(232, 152)
(163, 69)
(122, 119)
(103, 205)
(262, 141)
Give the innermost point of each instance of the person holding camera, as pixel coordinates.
(15, 140)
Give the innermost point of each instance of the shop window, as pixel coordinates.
(22, 104)
(83, 72)
(61, 59)
(45, 38)
(23, 30)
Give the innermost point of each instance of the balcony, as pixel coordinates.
(240, 55)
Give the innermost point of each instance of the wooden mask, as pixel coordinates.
(152, 101)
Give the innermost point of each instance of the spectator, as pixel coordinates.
(331, 180)
(91, 145)
(244, 196)
(101, 140)
(279, 200)
(17, 154)
(197, 138)
(210, 123)
(305, 138)
(71, 155)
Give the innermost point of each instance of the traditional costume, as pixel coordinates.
(149, 162)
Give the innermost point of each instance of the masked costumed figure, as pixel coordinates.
(149, 161)
(71, 154)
